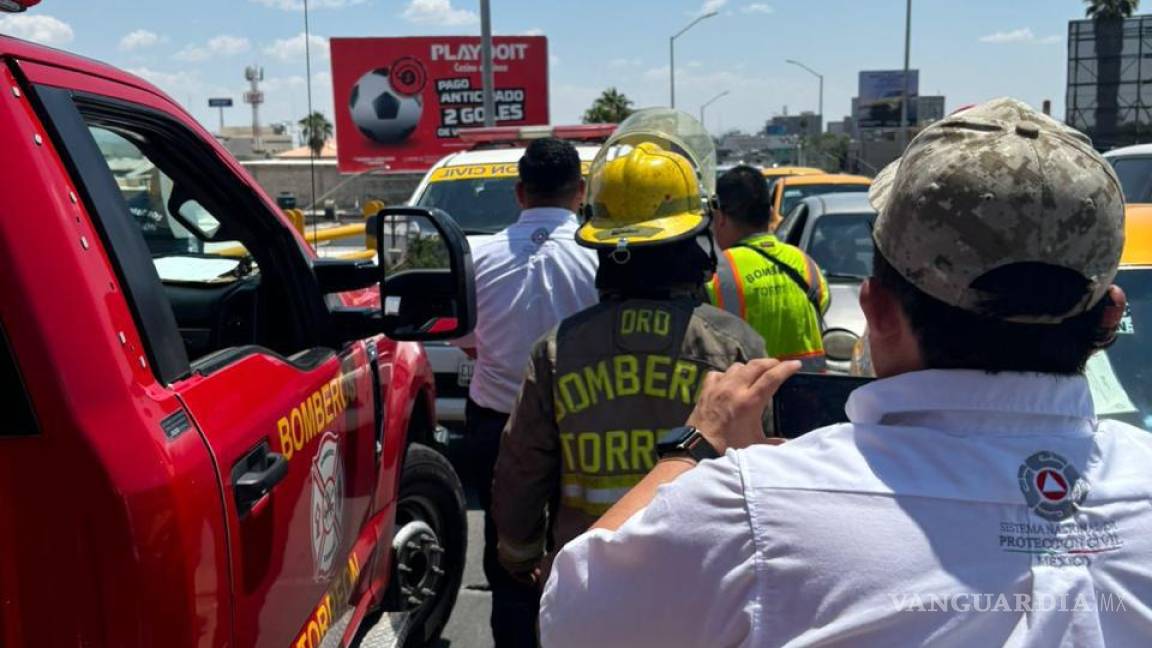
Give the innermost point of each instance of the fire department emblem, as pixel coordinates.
(1052, 486)
(327, 504)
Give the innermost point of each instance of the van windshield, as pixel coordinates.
(478, 205)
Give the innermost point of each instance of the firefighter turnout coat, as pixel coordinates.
(600, 390)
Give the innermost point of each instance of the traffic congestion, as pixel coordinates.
(472, 356)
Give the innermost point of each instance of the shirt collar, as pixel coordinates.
(1012, 402)
(546, 215)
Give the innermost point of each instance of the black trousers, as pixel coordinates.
(515, 605)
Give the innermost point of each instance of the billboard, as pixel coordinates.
(401, 101)
(879, 98)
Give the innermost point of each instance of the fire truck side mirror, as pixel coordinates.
(427, 287)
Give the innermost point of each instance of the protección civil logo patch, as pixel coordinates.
(1052, 486)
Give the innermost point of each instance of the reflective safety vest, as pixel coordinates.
(776, 288)
(598, 394)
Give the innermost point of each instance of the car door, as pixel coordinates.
(292, 429)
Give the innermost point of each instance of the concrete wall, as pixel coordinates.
(277, 177)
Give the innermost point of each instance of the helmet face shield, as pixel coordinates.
(651, 182)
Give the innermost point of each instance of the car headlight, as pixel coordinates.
(838, 344)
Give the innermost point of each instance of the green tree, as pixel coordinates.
(1111, 9)
(611, 107)
(317, 130)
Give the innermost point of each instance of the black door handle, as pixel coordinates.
(255, 476)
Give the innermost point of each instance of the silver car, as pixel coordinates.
(836, 231)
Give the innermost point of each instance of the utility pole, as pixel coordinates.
(907, 57)
(487, 73)
(711, 101)
(821, 78)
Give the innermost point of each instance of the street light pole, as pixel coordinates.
(489, 78)
(818, 76)
(672, 55)
(709, 103)
(907, 57)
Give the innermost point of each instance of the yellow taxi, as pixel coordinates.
(789, 190)
(1120, 377)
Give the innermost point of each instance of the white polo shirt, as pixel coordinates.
(529, 276)
(958, 509)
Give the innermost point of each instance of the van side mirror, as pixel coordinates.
(427, 285)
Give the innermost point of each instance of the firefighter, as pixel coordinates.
(601, 388)
(773, 286)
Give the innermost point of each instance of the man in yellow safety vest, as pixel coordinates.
(775, 287)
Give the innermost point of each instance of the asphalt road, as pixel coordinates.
(468, 627)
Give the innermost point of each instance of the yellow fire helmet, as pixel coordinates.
(651, 183)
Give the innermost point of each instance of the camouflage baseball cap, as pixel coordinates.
(994, 185)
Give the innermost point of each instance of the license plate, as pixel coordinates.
(464, 373)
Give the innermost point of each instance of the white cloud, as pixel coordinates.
(38, 28)
(440, 13)
(139, 39)
(223, 45)
(298, 5)
(291, 49)
(711, 5)
(554, 60)
(618, 63)
(1054, 39)
(535, 31)
(757, 8)
(1022, 35)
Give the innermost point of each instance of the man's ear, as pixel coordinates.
(881, 310)
(578, 199)
(521, 195)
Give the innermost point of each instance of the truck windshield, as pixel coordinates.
(479, 205)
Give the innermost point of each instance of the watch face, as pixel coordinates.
(675, 436)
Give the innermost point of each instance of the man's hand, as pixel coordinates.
(731, 404)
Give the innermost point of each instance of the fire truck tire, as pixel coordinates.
(431, 542)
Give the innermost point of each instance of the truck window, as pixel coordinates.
(479, 206)
(234, 279)
(18, 417)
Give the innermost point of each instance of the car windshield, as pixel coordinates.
(841, 244)
(1135, 177)
(796, 193)
(478, 205)
(1121, 377)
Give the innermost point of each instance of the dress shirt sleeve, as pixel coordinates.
(681, 572)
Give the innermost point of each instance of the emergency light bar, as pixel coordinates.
(510, 136)
(16, 6)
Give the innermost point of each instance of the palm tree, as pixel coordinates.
(611, 107)
(1108, 23)
(1106, 9)
(317, 130)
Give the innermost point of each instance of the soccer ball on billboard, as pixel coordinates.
(382, 113)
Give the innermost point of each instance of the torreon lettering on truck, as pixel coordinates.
(309, 419)
(401, 101)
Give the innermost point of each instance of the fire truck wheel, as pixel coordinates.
(430, 543)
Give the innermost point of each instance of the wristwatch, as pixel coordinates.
(685, 441)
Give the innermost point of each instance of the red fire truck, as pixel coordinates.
(204, 449)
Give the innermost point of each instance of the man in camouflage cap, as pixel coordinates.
(974, 497)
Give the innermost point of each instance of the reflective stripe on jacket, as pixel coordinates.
(772, 302)
(598, 393)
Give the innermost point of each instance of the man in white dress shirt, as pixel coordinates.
(973, 500)
(529, 277)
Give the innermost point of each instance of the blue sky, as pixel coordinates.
(968, 51)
